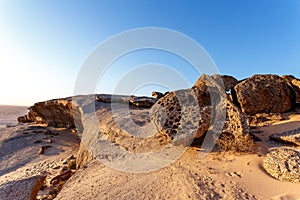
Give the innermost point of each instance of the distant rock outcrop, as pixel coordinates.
(55, 113)
(292, 136)
(264, 94)
(131, 100)
(294, 83)
(283, 164)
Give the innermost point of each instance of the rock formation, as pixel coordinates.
(186, 114)
(264, 94)
(131, 100)
(56, 113)
(229, 82)
(22, 189)
(292, 136)
(294, 83)
(157, 95)
(283, 164)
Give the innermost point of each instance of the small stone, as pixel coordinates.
(43, 148)
(48, 141)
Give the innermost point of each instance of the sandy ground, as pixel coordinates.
(20, 158)
(9, 114)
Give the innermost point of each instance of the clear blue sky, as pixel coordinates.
(44, 43)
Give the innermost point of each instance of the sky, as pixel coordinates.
(44, 44)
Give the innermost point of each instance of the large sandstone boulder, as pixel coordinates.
(264, 94)
(283, 164)
(187, 114)
(294, 83)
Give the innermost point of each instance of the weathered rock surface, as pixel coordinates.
(21, 189)
(283, 164)
(292, 136)
(265, 119)
(294, 83)
(229, 82)
(131, 100)
(264, 94)
(157, 95)
(186, 114)
(142, 101)
(56, 113)
(67, 114)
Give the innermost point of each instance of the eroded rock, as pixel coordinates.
(55, 113)
(283, 164)
(130, 100)
(157, 95)
(292, 136)
(26, 188)
(264, 94)
(294, 83)
(199, 103)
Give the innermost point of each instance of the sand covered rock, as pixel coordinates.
(294, 83)
(292, 136)
(264, 94)
(283, 164)
(21, 189)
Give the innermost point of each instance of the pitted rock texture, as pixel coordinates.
(292, 136)
(198, 103)
(294, 83)
(283, 164)
(236, 121)
(264, 94)
(178, 116)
